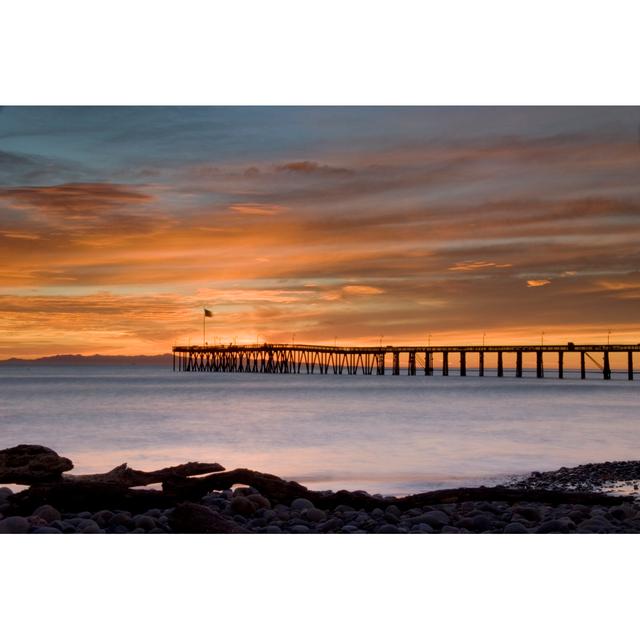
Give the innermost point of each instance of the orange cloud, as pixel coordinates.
(538, 283)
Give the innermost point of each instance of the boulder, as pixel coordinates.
(32, 464)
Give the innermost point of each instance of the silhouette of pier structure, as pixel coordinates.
(318, 359)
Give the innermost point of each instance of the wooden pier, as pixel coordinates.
(310, 359)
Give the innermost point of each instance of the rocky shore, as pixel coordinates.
(564, 501)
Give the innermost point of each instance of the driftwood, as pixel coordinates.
(75, 497)
(42, 468)
(125, 476)
(278, 490)
(31, 464)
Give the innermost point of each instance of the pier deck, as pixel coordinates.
(352, 360)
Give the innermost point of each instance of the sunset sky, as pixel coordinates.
(118, 225)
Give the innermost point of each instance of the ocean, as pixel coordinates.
(387, 434)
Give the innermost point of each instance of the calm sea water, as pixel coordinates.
(386, 434)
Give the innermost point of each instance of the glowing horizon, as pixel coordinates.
(119, 225)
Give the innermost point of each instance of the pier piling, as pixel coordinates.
(310, 359)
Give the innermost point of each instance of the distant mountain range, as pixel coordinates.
(163, 360)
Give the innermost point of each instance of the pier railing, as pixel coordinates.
(352, 360)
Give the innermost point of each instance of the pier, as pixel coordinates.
(319, 359)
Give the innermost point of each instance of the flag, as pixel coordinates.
(208, 314)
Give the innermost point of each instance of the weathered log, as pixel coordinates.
(125, 476)
(282, 491)
(31, 464)
(75, 497)
(188, 517)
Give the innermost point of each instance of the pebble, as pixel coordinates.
(387, 528)
(243, 506)
(300, 504)
(14, 524)
(315, 515)
(47, 513)
(46, 530)
(515, 527)
(299, 528)
(436, 519)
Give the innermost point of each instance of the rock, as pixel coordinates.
(436, 519)
(481, 523)
(300, 504)
(47, 513)
(144, 522)
(102, 518)
(315, 515)
(446, 529)
(14, 524)
(299, 528)
(121, 519)
(515, 527)
(5, 492)
(260, 501)
(528, 513)
(421, 528)
(377, 513)
(46, 530)
(91, 527)
(269, 515)
(243, 506)
(272, 528)
(32, 464)
(393, 510)
(387, 528)
(189, 517)
(350, 528)
(329, 525)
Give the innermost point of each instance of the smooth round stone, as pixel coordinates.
(144, 522)
(377, 513)
(393, 510)
(92, 527)
(157, 530)
(260, 501)
(153, 513)
(5, 492)
(387, 528)
(481, 523)
(120, 529)
(435, 518)
(299, 528)
(121, 519)
(273, 528)
(350, 528)
(422, 527)
(269, 515)
(103, 517)
(46, 530)
(47, 513)
(139, 530)
(14, 524)
(243, 506)
(447, 529)
(300, 504)
(329, 525)
(515, 527)
(315, 515)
